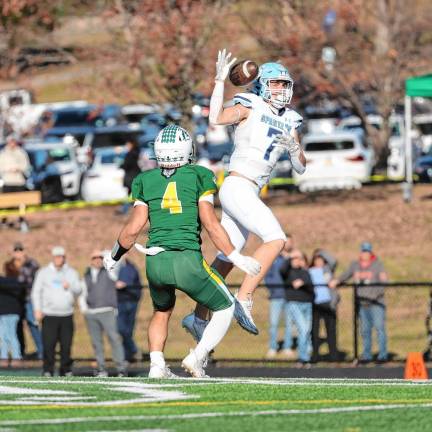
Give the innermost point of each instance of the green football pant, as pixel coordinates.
(187, 271)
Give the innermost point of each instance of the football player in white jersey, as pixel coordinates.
(265, 129)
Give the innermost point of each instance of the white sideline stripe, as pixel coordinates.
(216, 414)
(335, 382)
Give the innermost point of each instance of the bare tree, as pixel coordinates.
(378, 43)
(169, 46)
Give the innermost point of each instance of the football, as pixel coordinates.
(243, 72)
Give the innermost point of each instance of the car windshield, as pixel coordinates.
(42, 157)
(82, 117)
(114, 139)
(425, 128)
(112, 158)
(329, 146)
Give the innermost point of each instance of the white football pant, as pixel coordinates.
(244, 213)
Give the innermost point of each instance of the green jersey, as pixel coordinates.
(173, 205)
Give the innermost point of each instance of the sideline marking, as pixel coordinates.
(336, 382)
(213, 414)
(144, 393)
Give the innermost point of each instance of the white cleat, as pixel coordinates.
(194, 366)
(159, 372)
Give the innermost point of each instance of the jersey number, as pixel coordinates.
(170, 199)
(271, 132)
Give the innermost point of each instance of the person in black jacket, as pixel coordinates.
(12, 299)
(131, 169)
(300, 297)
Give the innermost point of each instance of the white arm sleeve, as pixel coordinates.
(216, 101)
(296, 164)
(138, 203)
(208, 198)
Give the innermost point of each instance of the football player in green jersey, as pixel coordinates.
(177, 198)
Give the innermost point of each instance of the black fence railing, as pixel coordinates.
(408, 312)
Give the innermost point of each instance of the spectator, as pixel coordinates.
(128, 296)
(24, 269)
(300, 297)
(14, 165)
(98, 303)
(54, 291)
(131, 169)
(369, 270)
(278, 303)
(12, 295)
(324, 308)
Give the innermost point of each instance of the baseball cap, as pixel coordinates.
(18, 246)
(58, 251)
(366, 247)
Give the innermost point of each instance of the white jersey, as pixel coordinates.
(254, 154)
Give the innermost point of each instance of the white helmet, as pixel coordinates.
(173, 147)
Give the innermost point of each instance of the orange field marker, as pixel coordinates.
(415, 368)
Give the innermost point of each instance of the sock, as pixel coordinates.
(214, 332)
(157, 358)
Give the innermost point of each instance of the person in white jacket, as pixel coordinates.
(55, 288)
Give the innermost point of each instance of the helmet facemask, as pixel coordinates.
(173, 147)
(279, 98)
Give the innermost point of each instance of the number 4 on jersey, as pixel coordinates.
(170, 199)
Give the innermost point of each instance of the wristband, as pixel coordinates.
(118, 251)
(233, 256)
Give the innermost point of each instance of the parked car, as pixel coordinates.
(424, 124)
(323, 119)
(423, 167)
(135, 113)
(61, 157)
(337, 160)
(104, 179)
(113, 136)
(79, 121)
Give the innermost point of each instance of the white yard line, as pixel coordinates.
(215, 414)
(261, 381)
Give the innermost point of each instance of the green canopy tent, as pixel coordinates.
(420, 86)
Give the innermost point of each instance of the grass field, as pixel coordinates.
(78, 404)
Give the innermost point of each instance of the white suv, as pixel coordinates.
(337, 160)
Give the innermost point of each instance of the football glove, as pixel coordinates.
(245, 263)
(288, 143)
(111, 265)
(223, 65)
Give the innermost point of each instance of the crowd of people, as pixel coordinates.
(43, 298)
(304, 293)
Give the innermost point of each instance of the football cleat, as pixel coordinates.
(193, 326)
(242, 313)
(194, 366)
(159, 372)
